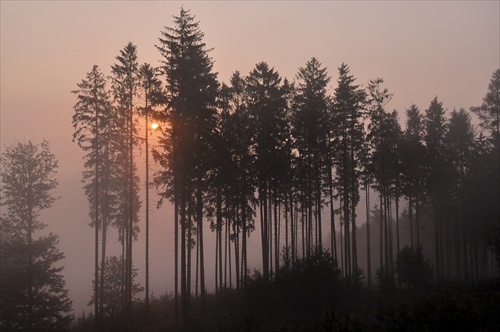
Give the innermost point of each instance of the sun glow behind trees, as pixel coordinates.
(284, 70)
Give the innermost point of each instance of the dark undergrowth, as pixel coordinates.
(314, 297)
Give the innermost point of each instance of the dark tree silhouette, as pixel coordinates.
(125, 85)
(153, 96)
(437, 172)
(267, 107)
(192, 90)
(349, 102)
(309, 120)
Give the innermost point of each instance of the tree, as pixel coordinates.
(191, 112)
(412, 154)
(349, 102)
(152, 96)
(33, 290)
(267, 106)
(97, 132)
(489, 114)
(309, 120)
(125, 84)
(462, 151)
(379, 156)
(436, 171)
(489, 111)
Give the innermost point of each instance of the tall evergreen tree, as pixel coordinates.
(125, 85)
(192, 89)
(412, 153)
(378, 153)
(266, 102)
(348, 105)
(152, 97)
(310, 136)
(95, 131)
(437, 172)
(32, 287)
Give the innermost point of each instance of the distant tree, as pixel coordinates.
(489, 111)
(33, 294)
(125, 83)
(413, 269)
(97, 132)
(112, 293)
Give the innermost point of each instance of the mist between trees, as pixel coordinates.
(288, 160)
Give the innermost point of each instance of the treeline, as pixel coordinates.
(289, 156)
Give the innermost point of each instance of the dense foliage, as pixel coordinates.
(32, 289)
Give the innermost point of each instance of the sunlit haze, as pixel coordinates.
(421, 49)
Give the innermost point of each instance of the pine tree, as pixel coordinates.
(310, 135)
(125, 85)
(437, 172)
(95, 131)
(32, 287)
(266, 103)
(153, 96)
(192, 89)
(348, 104)
(412, 152)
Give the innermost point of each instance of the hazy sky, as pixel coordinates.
(422, 49)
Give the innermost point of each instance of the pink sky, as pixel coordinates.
(421, 49)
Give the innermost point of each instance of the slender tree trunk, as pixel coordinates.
(96, 235)
(103, 264)
(131, 212)
(189, 248)
(199, 209)
(146, 300)
(333, 236)
(244, 229)
(276, 235)
(176, 250)
(184, 295)
(219, 235)
(410, 210)
(368, 244)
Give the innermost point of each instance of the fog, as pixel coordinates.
(421, 49)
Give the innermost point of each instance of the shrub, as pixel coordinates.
(413, 269)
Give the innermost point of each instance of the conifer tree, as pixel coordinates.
(349, 102)
(95, 132)
(125, 85)
(310, 135)
(267, 106)
(192, 89)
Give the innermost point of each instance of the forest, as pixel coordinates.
(364, 221)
